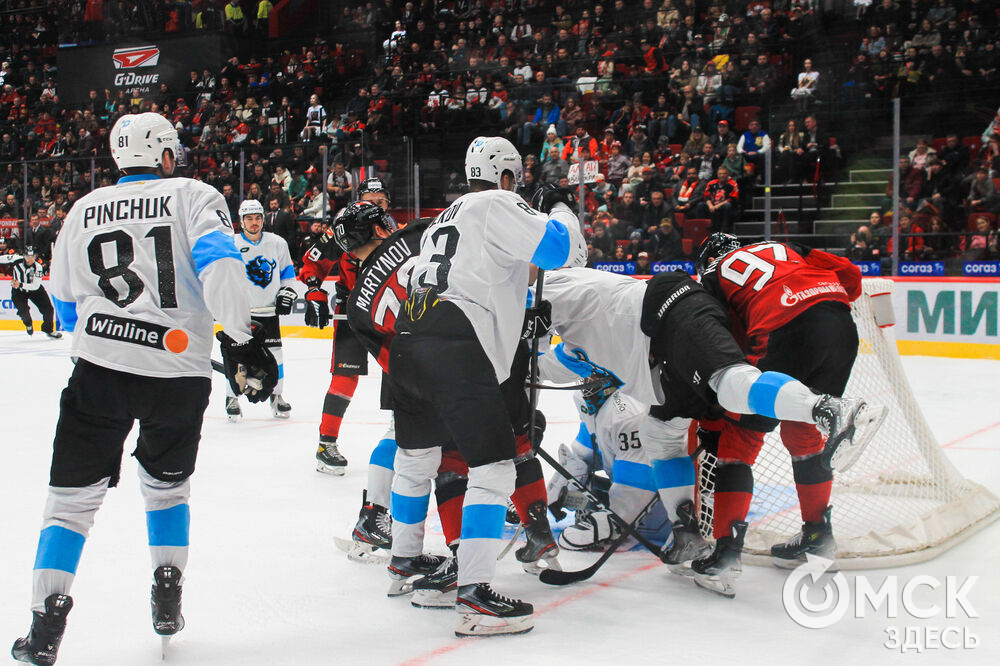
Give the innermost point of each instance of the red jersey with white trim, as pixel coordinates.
(380, 289)
(768, 284)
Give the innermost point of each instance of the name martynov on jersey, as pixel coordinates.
(477, 254)
(268, 268)
(381, 288)
(600, 312)
(141, 269)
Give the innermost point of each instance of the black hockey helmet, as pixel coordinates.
(373, 185)
(714, 246)
(29, 250)
(355, 225)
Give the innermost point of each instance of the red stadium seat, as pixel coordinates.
(974, 144)
(687, 246)
(696, 230)
(938, 144)
(743, 116)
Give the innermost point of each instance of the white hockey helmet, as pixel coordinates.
(488, 157)
(250, 207)
(139, 139)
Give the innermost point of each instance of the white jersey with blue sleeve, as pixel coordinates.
(269, 267)
(139, 271)
(599, 312)
(477, 253)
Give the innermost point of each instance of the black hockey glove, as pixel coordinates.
(317, 305)
(284, 301)
(548, 195)
(324, 248)
(250, 366)
(537, 321)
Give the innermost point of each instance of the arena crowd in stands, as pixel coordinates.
(673, 99)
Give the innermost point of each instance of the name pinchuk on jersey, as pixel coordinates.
(127, 210)
(790, 298)
(260, 271)
(387, 264)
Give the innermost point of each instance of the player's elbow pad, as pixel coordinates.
(559, 247)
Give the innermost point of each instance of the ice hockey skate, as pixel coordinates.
(540, 551)
(438, 589)
(686, 542)
(55, 335)
(372, 532)
(165, 602)
(483, 612)
(816, 538)
(279, 408)
(329, 460)
(849, 424)
(404, 570)
(718, 572)
(592, 531)
(233, 410)
(41, 645)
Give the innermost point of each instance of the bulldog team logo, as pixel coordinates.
(140, 56)
(260, 271)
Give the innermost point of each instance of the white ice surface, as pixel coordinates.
(266, 586)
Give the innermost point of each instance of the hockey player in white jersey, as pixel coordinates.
(668, 341)
(610, 422)
(139, 272)
(271, 274)
(455, 343)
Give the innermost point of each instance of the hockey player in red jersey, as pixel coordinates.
(348, 359)
(793, 303)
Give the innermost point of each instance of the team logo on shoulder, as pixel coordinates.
(260, 271)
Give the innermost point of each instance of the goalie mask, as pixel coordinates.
(602, 383)
(715, 246)
(355, 226)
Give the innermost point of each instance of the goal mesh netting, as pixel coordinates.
(902, 501)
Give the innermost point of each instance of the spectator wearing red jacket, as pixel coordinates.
(722, 195)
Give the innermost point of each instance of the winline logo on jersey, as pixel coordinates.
(816, 597)
(137, 332)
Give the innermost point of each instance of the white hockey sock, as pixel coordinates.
(744, 389)
(411, 491)
(66, 522)
(380, 470)
(168, 519)
(483, 515)
(279, 356)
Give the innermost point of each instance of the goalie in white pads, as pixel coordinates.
(608, 440)
(271, 274)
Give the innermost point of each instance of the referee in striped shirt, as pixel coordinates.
(26, 285)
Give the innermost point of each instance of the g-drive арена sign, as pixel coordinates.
(137, 69)
(948, 311)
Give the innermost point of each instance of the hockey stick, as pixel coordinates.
(624, 525)
(556, 577)
(533, 369)
(574, 387)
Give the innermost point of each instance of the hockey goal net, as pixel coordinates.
(902, 502)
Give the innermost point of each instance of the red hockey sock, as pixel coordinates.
(338, 397)
(529, 487)
(733, 492)
(814, 484)
(450, 497)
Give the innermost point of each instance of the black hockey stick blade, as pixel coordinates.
(556, 577)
